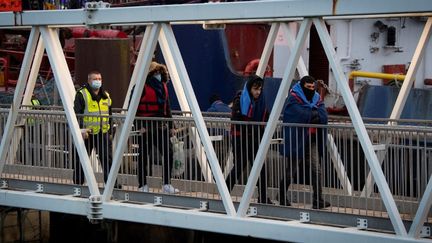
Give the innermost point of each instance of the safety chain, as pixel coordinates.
(324, 85)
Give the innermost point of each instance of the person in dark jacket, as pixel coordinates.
(221, 146)
(248, 106)
(154, 102)
(217, 105)
(93, 106)
(304, 144)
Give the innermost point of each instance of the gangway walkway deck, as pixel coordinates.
(35, 160)
(48, 172)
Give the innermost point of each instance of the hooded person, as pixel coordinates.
(248, 106)
(304, 144)
(154, 102)
(217, 105)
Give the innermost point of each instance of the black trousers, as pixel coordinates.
(156, 136)
(244, 151)
(311, 161)
(103, 146)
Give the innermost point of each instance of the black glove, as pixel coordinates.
(315, 119)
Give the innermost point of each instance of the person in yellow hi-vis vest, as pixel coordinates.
(93, 107)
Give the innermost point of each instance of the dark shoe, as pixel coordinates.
(268, 201)
(317, 204)
(286, 203)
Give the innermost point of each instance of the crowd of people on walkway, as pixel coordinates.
(304, 106)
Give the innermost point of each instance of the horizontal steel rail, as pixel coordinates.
(46, 163)
(238, 11)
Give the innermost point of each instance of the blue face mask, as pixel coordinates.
(96, 84)
(158, 76)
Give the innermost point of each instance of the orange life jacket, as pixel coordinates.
(150, 106)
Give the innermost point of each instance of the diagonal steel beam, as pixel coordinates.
(198, 118)
(301, 66)
(268, 48)
(28, 91)
(181, 96)
(34, 71)
(422, 211)
(274, 118)
(249, 11)
(403, 95)
(19, 91)
(360, 128)
(412, 70)
(64, 84)
(138, 63)
(141, 74)
(426, 201)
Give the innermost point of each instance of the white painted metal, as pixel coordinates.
(19, 90)
(213, 12)
(292, 231)
(360, 128)
(64, 83)
(199, 120)
(57, 51)
(125, 130)
(34, 71)
(274, 118)
(340, 169)
(7, 19)
(337, 161)
(267, 51)
(409, 78)
(31, 81)
(403, 94)
(338, 165)
(181, 96)
(173, 71)
(41, 201)
(138, 63)
(422, 211)
(290, 37)
(381, 154)
(270, 229)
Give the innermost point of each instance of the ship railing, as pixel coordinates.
(42, 150)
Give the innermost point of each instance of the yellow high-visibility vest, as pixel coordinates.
(35, 103)
(94, 111)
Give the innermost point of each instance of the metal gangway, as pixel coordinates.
(379, 193)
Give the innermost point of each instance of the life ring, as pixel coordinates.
(252, 66)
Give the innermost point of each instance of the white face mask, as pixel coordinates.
(96, 84)
(158, 76)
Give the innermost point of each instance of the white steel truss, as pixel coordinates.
(158, 20)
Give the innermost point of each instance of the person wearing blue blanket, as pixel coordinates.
(304, 145)
(248, 106)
